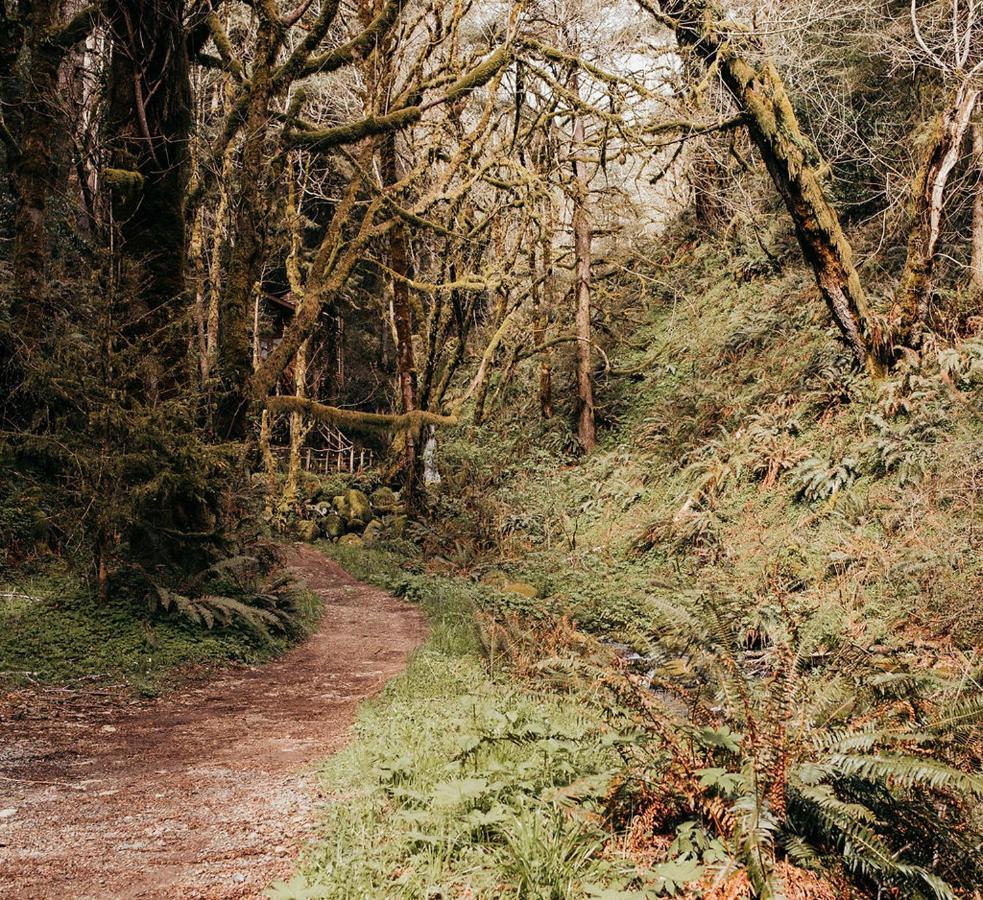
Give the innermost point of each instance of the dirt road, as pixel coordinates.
(206, 793)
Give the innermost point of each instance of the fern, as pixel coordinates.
(816, 479)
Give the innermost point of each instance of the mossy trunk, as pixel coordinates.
(234, 356)
(32, 47)
(298, 428)
(586, 427)
(976, 256)
(792, 161)
(482, 378)
(544, 300)
(148, 128)
(948, 132)
(399, 262)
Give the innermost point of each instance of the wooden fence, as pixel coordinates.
(322, 460)
(339, 454)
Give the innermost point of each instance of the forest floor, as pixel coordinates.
(208, 792)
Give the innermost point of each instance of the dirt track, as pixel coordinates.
(207, 793)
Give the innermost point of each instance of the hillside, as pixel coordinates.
(768, 559)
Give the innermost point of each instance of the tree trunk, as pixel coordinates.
(586, 428)
(32, 50)
(399, 262)
(792, 162)
(912, 303)
(976, 264)
(149, 127)
(246, 263)
(544, 300)
(479, 385)
(298, 428)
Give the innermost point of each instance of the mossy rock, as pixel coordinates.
(384, 500)
(495, 578)
(340, 504)
(522, 588)
(307, 530)
(396, 525)
(373, 531)
(350, 540)
(332, 526)
(359, 506)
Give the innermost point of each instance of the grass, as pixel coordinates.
(458, 783)
(53, 629)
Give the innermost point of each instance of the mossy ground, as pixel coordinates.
(54, 629)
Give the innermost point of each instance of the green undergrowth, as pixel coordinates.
(462, 782)
(812, 534)
(55, 630)
(742, 455)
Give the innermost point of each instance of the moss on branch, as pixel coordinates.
(353, 420)
(340, 135)
(123, 180)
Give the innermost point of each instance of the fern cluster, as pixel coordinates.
(757, 753)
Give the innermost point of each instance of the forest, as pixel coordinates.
(525, 448)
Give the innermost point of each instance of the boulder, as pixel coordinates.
(340, 504)
(307, 530)
(522, 588)
(350, 540)
(358, 505)
(373, 531)
(495, 577)
(332, 526)
(384, 500)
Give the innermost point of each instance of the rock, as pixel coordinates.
(8, 812)
(322, 509)
(340, 504)
(373, 531)
(384, 500)
(495, 578)
(332, 526)
(522, 588)
(350, 540)
(307, 530)
(358, 505)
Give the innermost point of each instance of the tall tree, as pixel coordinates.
(790, 157)
(580, 196)
(148, 125)
(34, 41)
(952, 58)
(976, 249)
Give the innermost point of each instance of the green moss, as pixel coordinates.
(54, 630)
